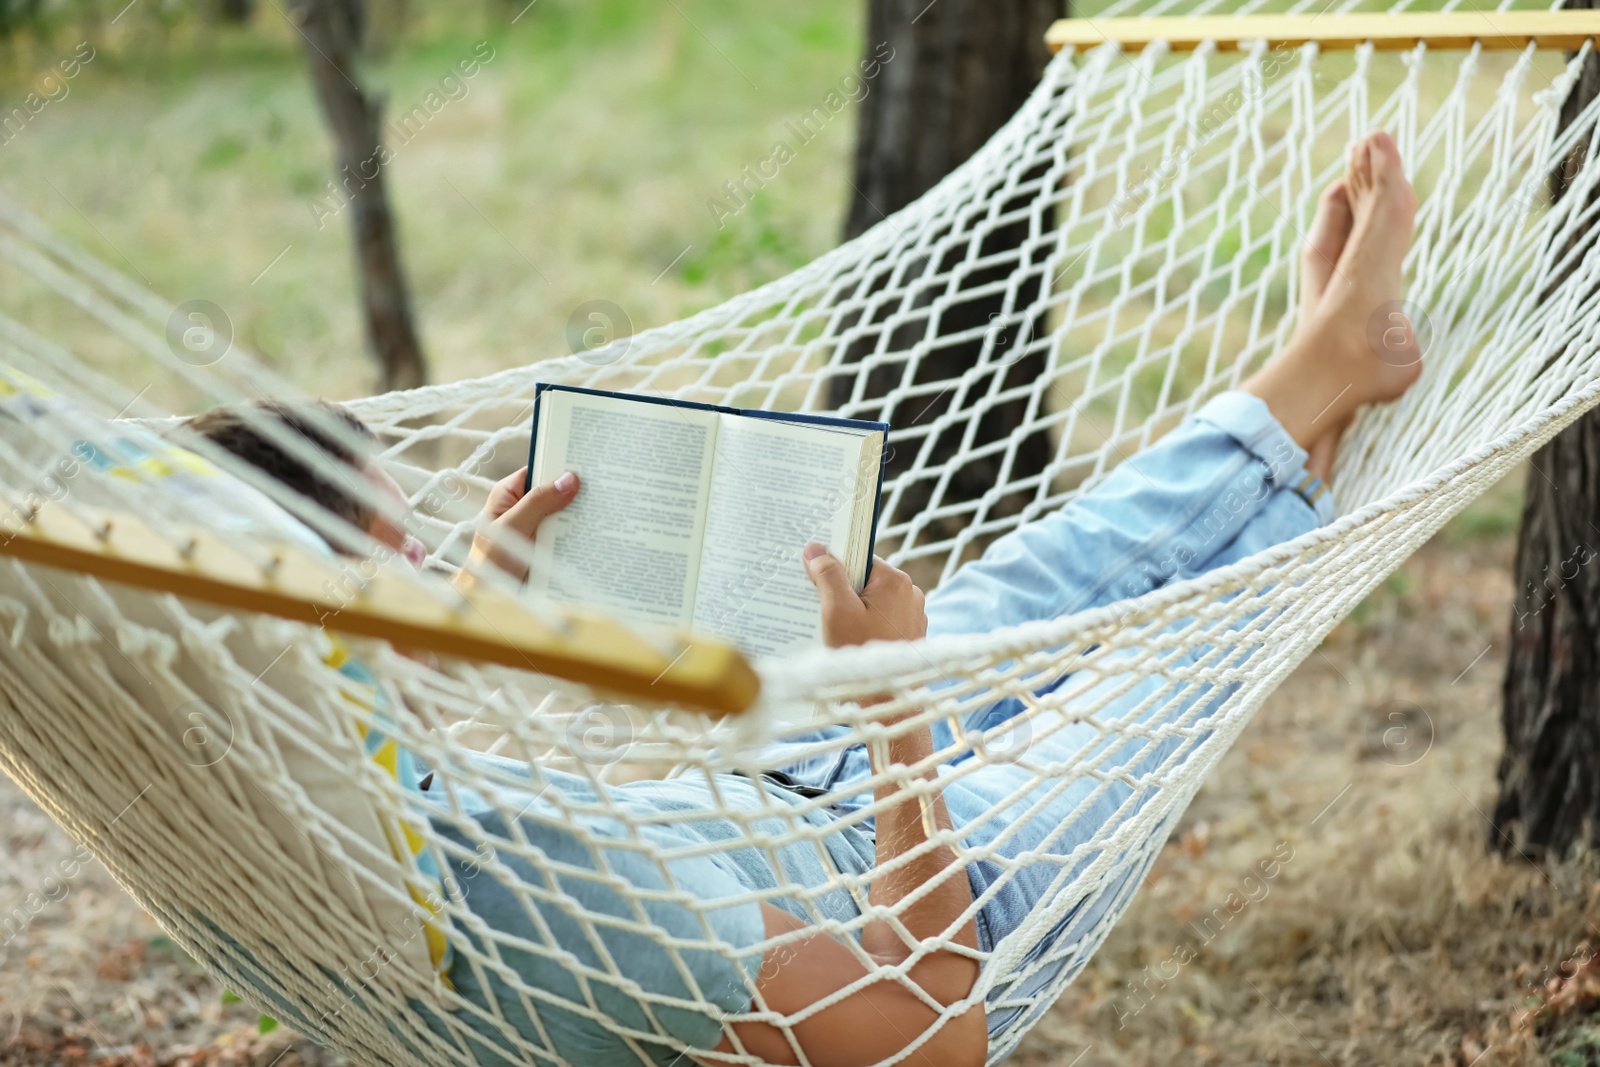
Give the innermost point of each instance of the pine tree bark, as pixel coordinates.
(330, 32)
(960, 70)
(1550, 770)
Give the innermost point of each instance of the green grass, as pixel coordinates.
(1495, 514)
(1580, 1047)
(581, 165)
(1389, 598)
(577, 167)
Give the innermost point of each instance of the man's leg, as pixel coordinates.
(1043, 826)
(1183, 506)
(1165, 514)
(1232, 480)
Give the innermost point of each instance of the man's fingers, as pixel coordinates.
(884, 576)
(506, 492)
(828, 575)
(512, 485)
(541, 502)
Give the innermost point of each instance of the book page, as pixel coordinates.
(629, 544)
(775, 487)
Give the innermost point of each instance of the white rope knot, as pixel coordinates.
(1165, 201)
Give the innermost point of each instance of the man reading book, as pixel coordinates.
(695, 513)
(1267, 449)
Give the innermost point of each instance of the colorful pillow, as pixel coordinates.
(95, 462)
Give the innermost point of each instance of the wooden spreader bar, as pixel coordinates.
(415, 612)
(1515, 30)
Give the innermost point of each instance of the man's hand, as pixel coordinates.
(513, 513)
(890, 608)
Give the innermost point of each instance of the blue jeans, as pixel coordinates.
(1224, 485)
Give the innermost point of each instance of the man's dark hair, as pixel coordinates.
(235, 428)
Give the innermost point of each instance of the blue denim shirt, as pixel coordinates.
(1225, 484)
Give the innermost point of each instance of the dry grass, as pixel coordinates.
(1390, 937)
(87, 977)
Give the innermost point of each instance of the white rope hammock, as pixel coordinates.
(216, 762)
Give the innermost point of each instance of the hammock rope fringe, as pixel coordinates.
(243, 776)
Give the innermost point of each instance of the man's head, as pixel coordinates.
(334, 487)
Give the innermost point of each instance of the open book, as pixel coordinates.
(696, 516)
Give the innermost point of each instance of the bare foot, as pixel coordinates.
(1367, 281)
(1332, 365)
(1330, 231)
(1319, 260)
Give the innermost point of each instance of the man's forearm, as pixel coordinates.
(903, 825)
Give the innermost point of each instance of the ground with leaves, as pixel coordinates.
(1392, 936)
(1386, 933)
(579, 167)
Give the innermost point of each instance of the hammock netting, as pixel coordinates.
(1139, 223)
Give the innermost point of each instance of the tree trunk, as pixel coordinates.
(16, 15)
(236, 11)
(330, 31)
(959, 70)
(1550, 770)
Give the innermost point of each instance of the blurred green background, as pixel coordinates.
(189, 154)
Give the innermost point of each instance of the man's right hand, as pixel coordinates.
(890, 608)
(513, 512)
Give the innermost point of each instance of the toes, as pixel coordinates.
(1384, 158)
(1385, 178)
(1331, 228)
(1374, 167)
(1329, 232)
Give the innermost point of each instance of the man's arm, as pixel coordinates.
(869, 1026)
(886, 1015)
(903, 822)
